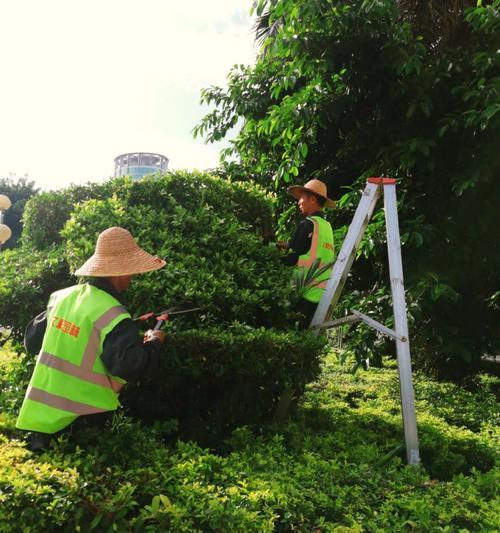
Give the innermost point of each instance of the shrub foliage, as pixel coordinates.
(346, 90)
(19, 191)
(226, 364)
(216, 380)
(27, 278)
(336, 467)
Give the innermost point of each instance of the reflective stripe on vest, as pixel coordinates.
(322, 248)
(70, 379)
(60, 402)
(78, 371)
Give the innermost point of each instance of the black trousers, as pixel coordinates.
(41, 441)
(307, 309)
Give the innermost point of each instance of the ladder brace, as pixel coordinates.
(357, 316)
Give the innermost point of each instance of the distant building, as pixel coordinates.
(138, 164)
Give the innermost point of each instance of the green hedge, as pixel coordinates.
(220, 374)
(45, 215)
(27, 278)
(242, 349)
(215, 260)
(216, 380)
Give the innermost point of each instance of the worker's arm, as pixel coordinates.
(300, 242)
(126, 356)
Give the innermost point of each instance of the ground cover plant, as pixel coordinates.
(336, 466)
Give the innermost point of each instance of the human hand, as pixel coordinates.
(154, 334)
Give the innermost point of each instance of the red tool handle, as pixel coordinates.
(145, 317)
(161, 319)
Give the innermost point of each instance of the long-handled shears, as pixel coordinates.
(165, 315)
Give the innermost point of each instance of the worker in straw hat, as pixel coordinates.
(88, 346)
(312, 240)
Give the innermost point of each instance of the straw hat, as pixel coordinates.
(117, 254)
(314, 186)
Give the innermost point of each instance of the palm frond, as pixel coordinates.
(263, 27)
(307, 278)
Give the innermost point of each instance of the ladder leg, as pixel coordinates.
(347, 253)
(401, 324)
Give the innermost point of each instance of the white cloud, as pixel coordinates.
(84, 82)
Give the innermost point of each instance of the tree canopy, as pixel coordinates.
(343, 90)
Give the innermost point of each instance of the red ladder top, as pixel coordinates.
(382, 181)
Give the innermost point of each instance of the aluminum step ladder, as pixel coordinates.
(374, 188)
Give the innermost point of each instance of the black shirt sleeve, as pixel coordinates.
(300, 242)
(33, 335)
(124, 354)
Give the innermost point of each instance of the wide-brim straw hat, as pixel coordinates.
(315, 186)
(117, 254)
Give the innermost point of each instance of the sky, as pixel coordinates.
(83, 82)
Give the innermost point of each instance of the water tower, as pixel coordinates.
(139, 164)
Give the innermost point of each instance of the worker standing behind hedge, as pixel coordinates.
(312, 239)
(88, 346)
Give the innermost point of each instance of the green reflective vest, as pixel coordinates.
(322, 248)
(70, 379)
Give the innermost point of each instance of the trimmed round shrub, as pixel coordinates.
(45, 214)
(213, 261)
(217, 379)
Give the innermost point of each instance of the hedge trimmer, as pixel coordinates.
(164, 316)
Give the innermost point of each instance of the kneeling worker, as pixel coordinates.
(88, 346)
(312, 239)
